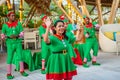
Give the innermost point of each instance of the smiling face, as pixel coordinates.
(12, 17)
(86, 20)
(60, 28)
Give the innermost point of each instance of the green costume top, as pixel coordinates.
(71, 40)
(9, 30)
(59, 63)
(69, 27)
(45, 48)
(90, 29)
(13, 44)
(91, 41)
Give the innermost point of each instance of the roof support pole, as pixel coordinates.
(113, 11)
(100, 18)
(84, 8)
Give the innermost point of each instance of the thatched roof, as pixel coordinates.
(43, 5)
(40, 5)
(105, 3)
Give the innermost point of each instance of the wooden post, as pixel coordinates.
(59, 5)
(9, 5)
(113, 11)
(69, 10)
(102, 15)
(13, 6)
(30, 12)
(75, 8)
(92, 9)
(21, 10)
(100, 18)
(84, 8)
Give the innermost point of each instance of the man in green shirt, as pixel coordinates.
(91, 41)
(11, 32)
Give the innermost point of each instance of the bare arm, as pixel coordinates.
(48, 23)
(79, 35)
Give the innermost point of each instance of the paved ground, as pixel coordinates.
(109, 70)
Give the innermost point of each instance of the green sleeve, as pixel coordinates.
(20, 27)
(41, 30)
(69, 28)
(4, 29)
(52, 40)
(71, 37)
(85, 30)
(94, 23)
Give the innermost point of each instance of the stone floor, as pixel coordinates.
(109, 69)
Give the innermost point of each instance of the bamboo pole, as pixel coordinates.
(98, 2)
(21, 10)
(92, 9)
(84, 7)
(9, 5)
(59, 5)
(27, 19)
(102, 15)
(75, 8)
(113, 11)
(13, 7)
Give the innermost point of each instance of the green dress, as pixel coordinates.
(45, 49)
(59, 64)
(71, 40)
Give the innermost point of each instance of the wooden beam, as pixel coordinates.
(84, 8)
(103, 4)
(75, 8)
(59, 5)
(30, 12)
(21, 10)
(98, 2)
(113, 11)
(92, 9)
(9, 5)
(102, 15)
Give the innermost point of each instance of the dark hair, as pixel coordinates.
(54, 32)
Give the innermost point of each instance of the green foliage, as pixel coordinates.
(31, 24)
(89, 7)
(3, 11)
(39, 23)
(55, 9)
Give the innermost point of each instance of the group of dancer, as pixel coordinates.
(57, 46)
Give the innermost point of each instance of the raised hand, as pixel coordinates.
(48, 22)
(86, 35)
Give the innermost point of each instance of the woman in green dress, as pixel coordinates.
(45, 49)
(60, 65)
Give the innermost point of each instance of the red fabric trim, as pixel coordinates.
(89, 25)
(44, 25)
(62, 17)
(59, 36)
(78, 59)
(10, 13)
(13, 24)
(44, 17)
(61, 75)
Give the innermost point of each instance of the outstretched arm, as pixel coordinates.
(79, 35)
(48, 24)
